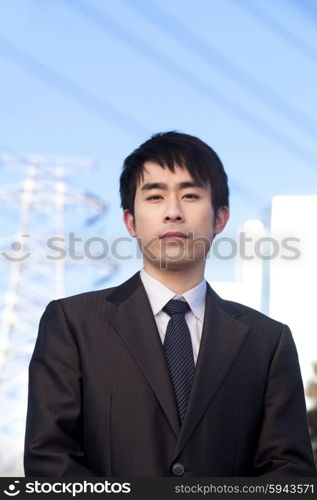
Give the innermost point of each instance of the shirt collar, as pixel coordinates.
(159, 295)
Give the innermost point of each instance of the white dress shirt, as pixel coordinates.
(159, 295)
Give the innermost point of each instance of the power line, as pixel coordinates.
(279, 28)
(307, 9)
(74, 91)
(47, 73)
(99, 18)
(197, 45)
(310, 8)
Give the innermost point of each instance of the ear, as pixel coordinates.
(221, 219)
(128, 220)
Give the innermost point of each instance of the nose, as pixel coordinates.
(173, 211)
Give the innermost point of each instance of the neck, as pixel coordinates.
(177, 280)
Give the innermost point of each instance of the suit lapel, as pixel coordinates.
(222, 338)
(129, 312)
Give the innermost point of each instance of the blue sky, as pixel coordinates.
(95, 78)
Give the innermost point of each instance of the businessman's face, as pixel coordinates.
(174, 220)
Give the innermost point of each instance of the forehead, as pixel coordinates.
(153, 172)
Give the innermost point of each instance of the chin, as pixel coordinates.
(176, 265)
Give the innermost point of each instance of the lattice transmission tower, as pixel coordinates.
(47, 207)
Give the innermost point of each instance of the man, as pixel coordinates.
(160, 376)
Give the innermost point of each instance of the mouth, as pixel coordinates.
(173, 236)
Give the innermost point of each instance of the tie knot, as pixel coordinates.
(176, 306)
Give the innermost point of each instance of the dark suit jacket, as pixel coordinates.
(101, 401)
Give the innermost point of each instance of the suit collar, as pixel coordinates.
(125, 290)
(159, 295)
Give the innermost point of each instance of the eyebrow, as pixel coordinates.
(162, 185)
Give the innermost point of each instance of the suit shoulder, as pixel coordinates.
(96, 296)
(251, 316)
(84, 299)
(93, 300)
(265, 333)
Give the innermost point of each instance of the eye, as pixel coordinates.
(191, 196)
(154, 197)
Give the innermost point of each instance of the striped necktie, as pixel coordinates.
(179, 353)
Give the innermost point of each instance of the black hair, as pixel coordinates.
(168, 149)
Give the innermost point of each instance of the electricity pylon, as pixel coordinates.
(35, 276)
